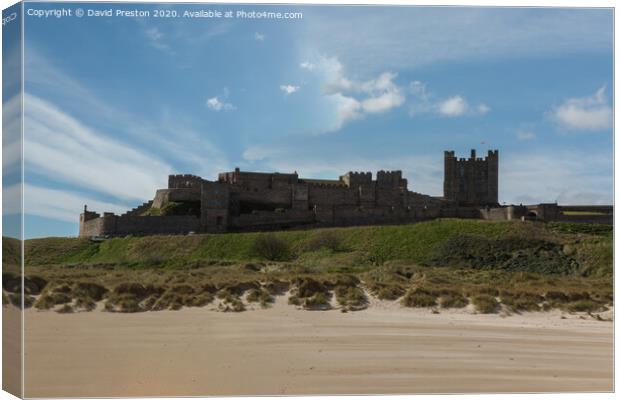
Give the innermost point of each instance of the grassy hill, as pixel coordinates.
(585, 249)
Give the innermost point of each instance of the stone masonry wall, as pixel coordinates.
(140, 225)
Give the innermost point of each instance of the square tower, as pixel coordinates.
(472, 181)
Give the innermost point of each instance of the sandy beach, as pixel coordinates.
(282, 350)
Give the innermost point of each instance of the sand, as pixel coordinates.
(283, 350)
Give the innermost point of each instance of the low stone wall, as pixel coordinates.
(115, 225)
(495, 214)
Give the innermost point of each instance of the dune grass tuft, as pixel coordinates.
(351, 298)
(419, 298)
(485, 304)
(453, 300)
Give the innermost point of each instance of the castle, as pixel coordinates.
(254, 201)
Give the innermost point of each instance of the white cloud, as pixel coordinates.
(524, 135)
(453, 107)
(215, 104)
(307, 65)
(384, 102)
(591, 113)
(385, 94)
(259, 37)
(347, 109)
(289, 89)
(64, 149)
(354, 99)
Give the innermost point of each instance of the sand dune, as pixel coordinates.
(282, 350)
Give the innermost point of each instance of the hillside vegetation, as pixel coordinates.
(444, 263)
(455, 242)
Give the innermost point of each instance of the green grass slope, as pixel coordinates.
(511, 245)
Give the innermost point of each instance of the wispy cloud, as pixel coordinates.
(482, 109)
(526, 135)
(170, 38)
(150, 134)
(289, 89)
(563, 176)
(424, 101)
(64, 149)
(411, 39)
(156, 39)
(11, 132)
(590, 113)
(61, 205)
(70, 153)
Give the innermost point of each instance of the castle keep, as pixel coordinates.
(256, 201)
(473, 181)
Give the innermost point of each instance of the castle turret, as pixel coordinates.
(473, 181)
(84, 218)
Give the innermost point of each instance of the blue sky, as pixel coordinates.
(114, 105)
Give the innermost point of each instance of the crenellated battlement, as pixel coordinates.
(391, 179)
(184, 181)
(355, 178)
